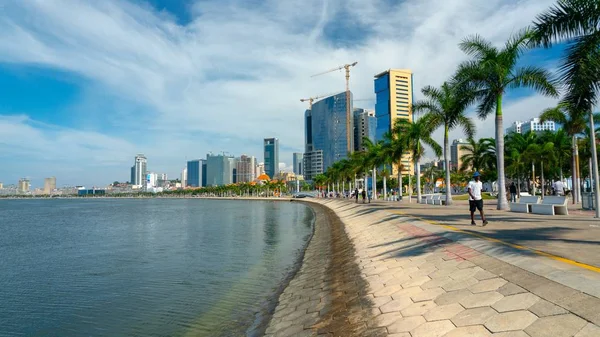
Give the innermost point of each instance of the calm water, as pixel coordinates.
(158, 267)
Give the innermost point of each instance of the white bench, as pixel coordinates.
(428, 199)
(523, 205)
(551, 205)
(440, 200)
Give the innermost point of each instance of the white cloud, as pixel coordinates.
(236, 72)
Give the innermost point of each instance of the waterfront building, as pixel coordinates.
(151, 180)
(49, 185)
(260, 169)
(194, 173)
(536, 125)
(313, 164)
(219, 170)
(326, 133)
(456, 153)
(298, 162)
(515, 127)
(394, 97)
(138, 170)
(271, 146)
(365, 125)
(246, 169)
(184, 177)
(1, 186)
(24, 185)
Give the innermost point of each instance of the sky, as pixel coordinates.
(86, 85)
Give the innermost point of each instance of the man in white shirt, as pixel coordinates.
(475, 199)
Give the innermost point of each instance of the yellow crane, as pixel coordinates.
(348, 112)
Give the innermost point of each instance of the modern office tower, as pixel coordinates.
(515, 127)
(194, 173)
(456, 153)
(313, 164)
(246, 169)
(394, 96)
(328, 130)
(23, 186)
(49, 185)
(298, 162)
(151, 180)
(271, 146)
(536, 125)
(365, 125)
(184, 177)
(204, 173)
(219, 170)
(138, 171)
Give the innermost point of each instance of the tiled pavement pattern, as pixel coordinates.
(415, 283)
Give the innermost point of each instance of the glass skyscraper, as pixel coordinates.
(298, 161)
(195, 172)
(365, 125)
(219, 170)
(271, 157)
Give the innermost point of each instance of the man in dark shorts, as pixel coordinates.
(475, 198)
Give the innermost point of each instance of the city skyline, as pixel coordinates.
(186, 94)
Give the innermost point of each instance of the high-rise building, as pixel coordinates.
(23, 186)
(219, 170)
(313, 164)
(365, 125)
(394, 96)
(194, 173)
(456, 153)
(138, 171)
(298, 161)
(271, 156)
(536, 125)
(515, 127)
(328, 131)
(260, 169)
(49, 185)
(184, 177)
(1, 185)
(151, 179)
(246, 169)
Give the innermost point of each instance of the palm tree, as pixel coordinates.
(491, 72)
(543, 153)
(480, 155)
(446, 107)
(417, 135)
(396, 148)
(377, 154)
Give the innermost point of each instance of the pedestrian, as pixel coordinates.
(369, 196)
(356, 194)
(364, 195)
(513, 192)
(475, 200)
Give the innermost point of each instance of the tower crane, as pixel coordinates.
(310, 100)
(348, 112)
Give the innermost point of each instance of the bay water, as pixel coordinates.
(145, 267)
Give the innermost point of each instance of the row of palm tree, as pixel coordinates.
(484, 80)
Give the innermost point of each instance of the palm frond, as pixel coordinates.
(565, 20)
(478, 47)
(536, 78)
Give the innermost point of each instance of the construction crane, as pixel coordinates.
(310, 100)
(348, 112)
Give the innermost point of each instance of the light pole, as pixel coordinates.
(595, 164)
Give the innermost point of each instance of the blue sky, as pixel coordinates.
(87, 85)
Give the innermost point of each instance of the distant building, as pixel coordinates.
(23, 186)
(313, 164)
(84, 192)
(194, 173)
(219, 170)
(1, 186)
(138, 170)
(271, 146)
(298, 162)
(456, 153)
(184, 177)
(515, 127)
(260, 169)
(365, 125)
(49, 185)
(151, 180)
(535, 125)
(246, 169)
(394, 97)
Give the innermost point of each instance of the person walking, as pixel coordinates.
(513, 192)
(356, 194)
(475, 199)
(364, 195)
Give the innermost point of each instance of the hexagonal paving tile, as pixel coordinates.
(416, 281)
(378, 301)
(508, 321)
(406, 292)
(443, 312)
(396, 305)
(511, 289)
(406, 324)
(590, 330)
(487, 285)
(387, 290)
(484, 275)
(556, 326)
(464, 274)
(511, 334)
(473, 316)
(385, 319)
(516, 302)
(433, 329)
(452, 297)
(472, 331)
(481, 299)
(418, 308)
(543, 308)
(437, 282)
(460, 284)
(428, 295)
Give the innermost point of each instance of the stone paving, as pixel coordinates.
(406, 281)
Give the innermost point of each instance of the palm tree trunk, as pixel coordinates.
(384, 188)
(595, 165)
(542, 175)
(447, 166)
(374, 183)
(576, 189)
(502, 201)
(418, 174)
(410, 185)
(399, 180)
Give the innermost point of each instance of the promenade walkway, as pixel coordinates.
(408, 270)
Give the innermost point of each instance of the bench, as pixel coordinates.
(440, 200)
(551, 205)
(428, 199)
(523, 205)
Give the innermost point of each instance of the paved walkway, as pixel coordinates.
(403, 276)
